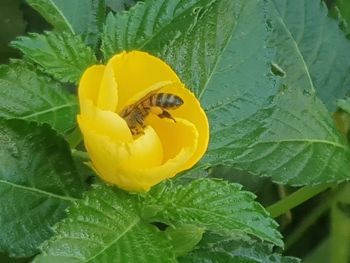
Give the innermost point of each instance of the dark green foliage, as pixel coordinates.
(106, 227)
(61, 55)
(80, 17)
(38, 181)
(253, 119)
(26, 94)
(208, 203)
(310, 48)
(214, 248)
(269, 74)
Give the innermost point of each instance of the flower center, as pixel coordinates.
(153, 102)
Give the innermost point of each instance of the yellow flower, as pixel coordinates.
(166, 147)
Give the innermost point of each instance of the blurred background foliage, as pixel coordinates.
(340, 9)
(17, 18)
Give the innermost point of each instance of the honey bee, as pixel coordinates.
(135, 114)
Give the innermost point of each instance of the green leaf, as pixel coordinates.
(184, 238)
(210, 28)
(297, 143)
(287, 134)
(209, 203)
(80, 17)
(257, 123)
(105, 227)
(150, 23)
(214, 248)
(311, 49)
(37, 182)
(25, 94)
(63, 56)
(52, 14)
(222, 44)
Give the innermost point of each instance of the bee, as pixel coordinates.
(135, 114)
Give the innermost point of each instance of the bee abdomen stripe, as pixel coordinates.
(169, 100)
(159, 99)
(153, 100)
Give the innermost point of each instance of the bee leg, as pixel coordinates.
(133, 131)
(166, 114)
(137, 126)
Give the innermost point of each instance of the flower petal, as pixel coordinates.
(144, 152)
(104, 122)
(108, 94)
(179, 141)
(109, 158)
(89, 84)
(175, 136)
(102, 151)
(137, 166)
(192, 111)
(136, 71)
(144, 179)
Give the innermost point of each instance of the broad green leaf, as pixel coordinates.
(311, 49)
(209, 29)
(184, 238)
(26, 94)
(51, 12)
(214, 204)
(150, 23)
(80, 17)
(105, 227)
(297, 143)
(63, 56)
(214, 248)
(38, 181)
(290, 137)
(221, 45)
(257, 123)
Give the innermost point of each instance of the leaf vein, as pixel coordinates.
(38, 191)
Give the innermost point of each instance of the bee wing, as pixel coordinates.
(126, 111)
(149, 94)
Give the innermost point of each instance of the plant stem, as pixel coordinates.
(81, 155)
(340, 228)
(74, 138)
(296, 198)
(311, 218)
